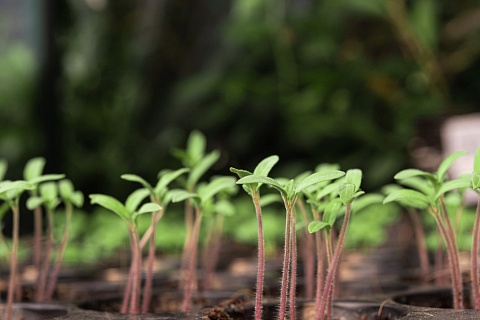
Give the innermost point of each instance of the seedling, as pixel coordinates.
(476, 232)
(129, 212)
(347, 191)
(205, 193)
(289, 193)
(199, 162)
(161, 196)
(428, 193)
(253, 189)
(10, 192)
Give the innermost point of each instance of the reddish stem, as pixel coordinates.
(420, 241)
(128, 288)
(192, 261)
(328, 288)
(136, 270)
(13, 262)
(37, 243)
(308, 254)
(286, 264)
(45, 268)
(260, 258)
(293, 268)
(474, 257)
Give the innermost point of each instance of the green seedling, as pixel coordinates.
(476, 232)
(10, 192)
(50, 195)
(427, 193)
(348, 191)
(289, 193)
(33, 171)
(161, 196)
(199, 162)
(253, 189)
(129, 212)
(199, 200)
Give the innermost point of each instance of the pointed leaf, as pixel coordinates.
(214, 187)
(149, 207)
(447, 163)
(366, 201)
(316, 226)
(331, 211)
(3, 168)
(354, 176)
(409, 198)
(240, 172)
(407, 173)
(135, 198)
(452, 185)
(33, 168)
(166, 178)
(419, 183)
(46, 177)
(111, 204)
(476, 161)
(318, 177)
(263, 167)
(201, 167)
(182, 195)
(135, 178)
(327, 190)
(196, 145)
(262, 179)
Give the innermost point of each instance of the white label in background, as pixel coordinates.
(462, 133)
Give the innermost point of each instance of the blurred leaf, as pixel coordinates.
(111, 204)
(409, 198)
(346, 192)
(447, 163)
(423, 18)
(316, 226)
(354, 176)
(3, 168)
(318, 177)
(149, 207)
(135, 178)
(166, 178)
(201, 167)
(135, 198)
(33, 168)
(215, 186)
(452, 185)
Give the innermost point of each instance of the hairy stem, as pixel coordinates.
(286, 264)
(474, 257)
(308, 254)
(13, 261)
(328, 287)
(37, 242)
(136, 263)
(261, 257)
(293, 267)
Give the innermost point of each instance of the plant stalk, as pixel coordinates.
(260, 258)
(420, 241)
(136, 263)
(13, 261)
(286, 263)
(474, 257)
(293, 267)
(192, 261)
(45, 268)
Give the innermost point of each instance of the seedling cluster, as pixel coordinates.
(326, 198)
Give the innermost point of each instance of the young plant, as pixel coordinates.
(253, 189)
(33, 172)
(289, 193)
(476, 232)
(347, 191)
(10, 192)
(199, 162)
(161, 196)
(129, 212)
(205, 193)
(428, 193)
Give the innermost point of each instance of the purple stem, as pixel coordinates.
(474, 256)
(261, 257)
(286, 264)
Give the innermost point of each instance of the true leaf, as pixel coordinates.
(318, 177)
(263, 167)
(447, 163)
(240, 172)
(261, 179)
(111, 204)
(316, 226)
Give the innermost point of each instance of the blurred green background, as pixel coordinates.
(101, 88)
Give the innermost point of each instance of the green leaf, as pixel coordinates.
(408, 173)
(135, 178)
(182, 195)
(4, 207)
(476, 161)
(262, 179)
(3, 168)
(240, 172)
(77, 199)
(318, 177)
(316, 226)
(33, 168)
(149, 207)
(13, 189)
(419, 183)
(354, 176)
(201, 167)
(111, 204)
(346, 192)
(48, 191)
(215, 186)
(424, 20)
(476, 180)
(46, 177)
(327, 190)
(447, 163)
(452, 185)
(263, 167)
(408, 198)
(34, 202)
(331, 211)
(366, 201)
(135, 198)
(196, 145)
(225, 208)
(269, 199)
(166, 178)
(65, 188)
